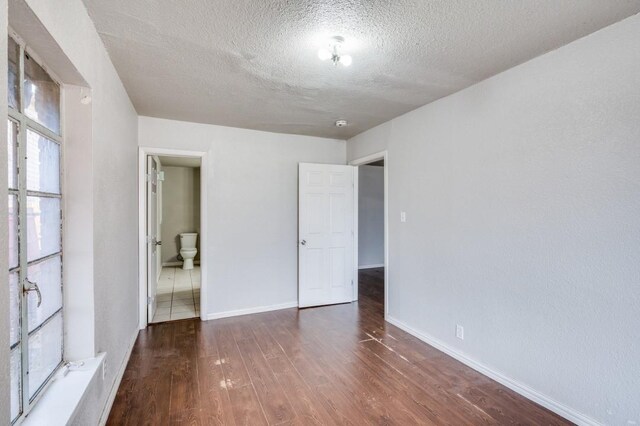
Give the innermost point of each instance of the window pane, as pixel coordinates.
(12, 148)
(14, 308)
(43, 164)
(48, 276)
(45, 353)
(14, 53)
(16, 402)
(13, 231)
(41, 96)
(43, 227)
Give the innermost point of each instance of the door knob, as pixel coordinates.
(303, 242)
(34, 287)
(158, 243)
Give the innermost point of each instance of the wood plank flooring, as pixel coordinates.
(334, 365)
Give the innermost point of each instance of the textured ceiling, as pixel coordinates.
(254, 64)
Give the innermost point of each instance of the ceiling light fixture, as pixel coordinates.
(341, 123)
(333, 52)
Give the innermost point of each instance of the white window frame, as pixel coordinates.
(24, 123)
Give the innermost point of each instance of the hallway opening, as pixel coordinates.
(371, 218)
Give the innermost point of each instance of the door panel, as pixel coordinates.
(159, 220)
(325, 249)
(337, 260)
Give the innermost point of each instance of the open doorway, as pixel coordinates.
(371, 254)
(172, 237)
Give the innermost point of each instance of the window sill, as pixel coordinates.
(58, 404)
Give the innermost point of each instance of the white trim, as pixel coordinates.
(520, 388)
(255, 310)
(116, 383)
(143, 152)
(59, 402)
(378, 265)
(382, 155)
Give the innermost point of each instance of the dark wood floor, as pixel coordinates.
(334, 365)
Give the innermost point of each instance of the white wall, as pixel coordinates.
(114, 131)
(180, 208)
(522, 196)
(252, 206)
(370, 216)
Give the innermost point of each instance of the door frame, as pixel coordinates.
(143, 153)
(362, 161)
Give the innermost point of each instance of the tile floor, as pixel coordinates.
(178, 294)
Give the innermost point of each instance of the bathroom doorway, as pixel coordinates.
(172, 238)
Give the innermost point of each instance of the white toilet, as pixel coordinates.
(188, 249)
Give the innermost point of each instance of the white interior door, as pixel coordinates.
(152, 235)
(325, 245)
(159, 219)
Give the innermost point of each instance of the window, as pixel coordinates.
(35, 228)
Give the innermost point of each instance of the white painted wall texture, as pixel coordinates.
(252, 204)
(114, 130)
(370, 216)
(180, 208)
(522, 196)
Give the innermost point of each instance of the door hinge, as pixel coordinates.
(351, 283)
(148, 300)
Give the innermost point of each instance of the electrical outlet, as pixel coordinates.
(104, 369)
(459, 332)
(403, 216)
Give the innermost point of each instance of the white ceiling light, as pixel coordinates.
(333, 52)
(341, 123)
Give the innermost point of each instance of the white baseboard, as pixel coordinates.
(524, 390)
(116, 384)
(255, 310)
(377, 265)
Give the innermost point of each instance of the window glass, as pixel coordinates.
(13, 231)
(12, 153)
(16, 385)
(45, 353)
(41, 96)
(43, 227)
(14, 54)
(34, 228)
(43, 164)
(48, 276)
(14, 308)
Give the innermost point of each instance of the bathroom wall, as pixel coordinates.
(370, 216)
(180, 209)
(522, 201)
(252, 202)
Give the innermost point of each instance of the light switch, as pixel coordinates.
(403, 216)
